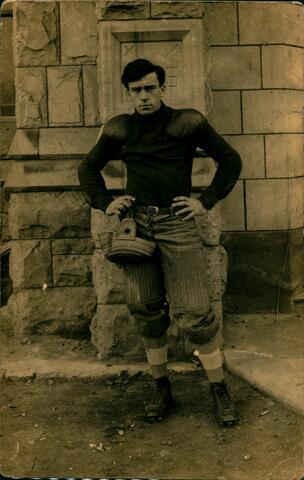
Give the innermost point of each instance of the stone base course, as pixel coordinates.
(30, 263)
(72, 246)
(72, 270)
(48, 215)
(25, 143)
(68, 311)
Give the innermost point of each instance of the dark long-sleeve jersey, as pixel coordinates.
(158, 151)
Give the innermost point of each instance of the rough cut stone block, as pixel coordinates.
(31, 97)
(113, 332)
(226, 112)
(90, 94)
(65, 96)
(78, 25)
(277, 22)
(209, 226)
(73, 246)
(31, 263)
(251, 150)
(45, 215)
(24, 144)
(36, 33)
(176, 9)
(221, 23)
(274, 204)
(284, 155)
(66, 141)
(283, 66)
(235, 67)
(216, 263)
(108, 279)
(72, 270)
(273, 111)
(232, 208)
(67, 311)
(123, 9)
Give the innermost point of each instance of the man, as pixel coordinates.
(157, 143)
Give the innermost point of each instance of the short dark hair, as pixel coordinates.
(139, 68)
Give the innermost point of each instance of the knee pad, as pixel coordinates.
(152, 320)
(200, 327)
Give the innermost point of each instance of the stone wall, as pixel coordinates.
(50, 263)
(257, 81)
(253, 95)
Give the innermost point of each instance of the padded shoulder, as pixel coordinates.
(185, 122)
(117, 127)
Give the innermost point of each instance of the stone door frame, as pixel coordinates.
(112, 34)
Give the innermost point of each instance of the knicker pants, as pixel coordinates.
(173, 281)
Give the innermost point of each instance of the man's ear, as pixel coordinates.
(163, 88)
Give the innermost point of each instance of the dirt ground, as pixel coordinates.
(95, 428)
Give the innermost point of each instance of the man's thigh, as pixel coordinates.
(184, 267)
(144, 283)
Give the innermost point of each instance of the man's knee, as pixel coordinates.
(199, 326)
(152, 320)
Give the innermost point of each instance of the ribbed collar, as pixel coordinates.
(154, 118)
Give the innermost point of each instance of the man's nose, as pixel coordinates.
(144, 94)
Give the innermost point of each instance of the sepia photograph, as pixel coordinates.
(152, 239)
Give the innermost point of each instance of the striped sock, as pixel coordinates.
(211, 359)
(157, 355)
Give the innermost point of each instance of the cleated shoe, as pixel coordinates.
(224, 406)
(161, 402)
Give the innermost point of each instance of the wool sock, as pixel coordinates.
(157, 355)
(211, 359)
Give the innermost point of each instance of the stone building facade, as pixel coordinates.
(242, 64)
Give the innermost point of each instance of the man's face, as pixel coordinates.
(145, 94)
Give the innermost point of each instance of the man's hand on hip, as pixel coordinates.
(120, 205)
(193, 206)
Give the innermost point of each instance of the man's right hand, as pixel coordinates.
(120, 205)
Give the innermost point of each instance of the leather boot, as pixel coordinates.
(161, 402)
(224, 407)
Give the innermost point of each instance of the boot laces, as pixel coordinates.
(221, 394)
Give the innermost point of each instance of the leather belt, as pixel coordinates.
(153, 210)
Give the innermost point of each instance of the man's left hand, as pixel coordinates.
(193, 206)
